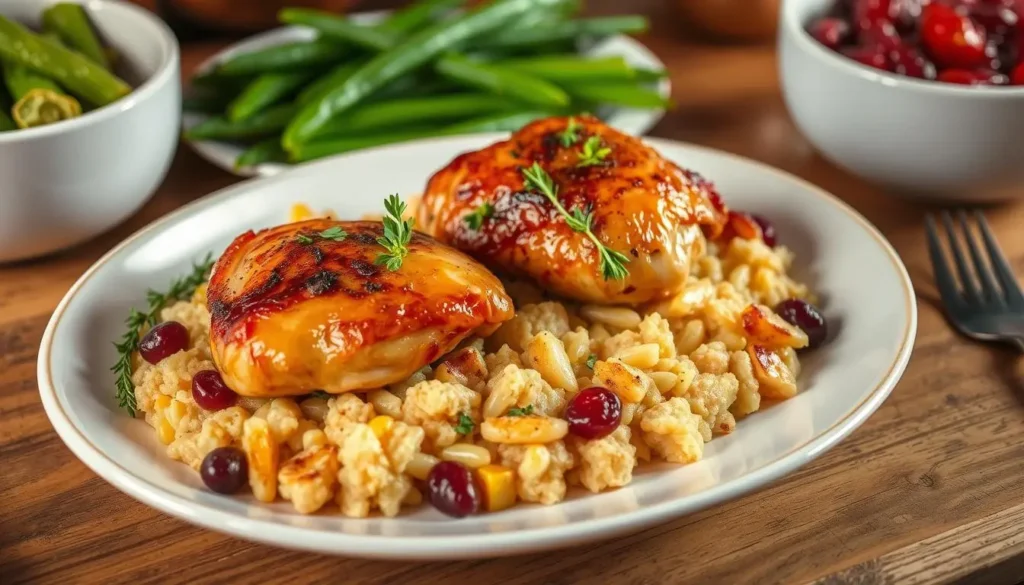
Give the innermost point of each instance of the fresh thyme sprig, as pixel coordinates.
(335, 233)
(180, 289)
(571, 135)
(613, 264)
(594, 153)
(397, 234)
(475, 218)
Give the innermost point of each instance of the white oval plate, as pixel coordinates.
(867, 297)
(224, 154)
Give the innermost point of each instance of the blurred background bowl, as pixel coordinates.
(67, 182)
(919, 138)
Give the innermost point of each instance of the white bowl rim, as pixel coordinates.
(794, 25)
(468, 546)
(167, 69)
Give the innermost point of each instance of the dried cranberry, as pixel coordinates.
(452, 490)
(952, 40)
(767, 229)
(163, 340)
(210, 392)
(807, 317)
(831, 32)
(594, 413)
(224, 470)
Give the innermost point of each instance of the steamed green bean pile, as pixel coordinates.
(430, 69)
(47, 77)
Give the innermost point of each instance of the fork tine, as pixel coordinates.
(981, 269)
(970, 290)
(943, 277)
(999, 263)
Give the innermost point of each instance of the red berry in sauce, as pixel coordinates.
(210, 392)
(872, 57)
(163, 340)
(807, 317)
(869, 11)
(1017, 76)
(977, 77)
(880, 35)
(594, 413)
(224, 470)
(767, 229)
(452, 490)
(831, 32)
(912, 63)
(951, 39)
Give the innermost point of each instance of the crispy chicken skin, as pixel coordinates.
(289, 317)
(644, 207)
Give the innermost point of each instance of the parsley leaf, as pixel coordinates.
(397, 234)
(571, 134)
(476, 218)
(613, 264)
(466, 424)
(591, 360)
(594, 153)
(524, 411)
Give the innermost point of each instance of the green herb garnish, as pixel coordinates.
(180, 290)
(524, 411)
(332, 233)
(465, 426)
(476, 218)
(397, 234)
(594, 153)
(571, 134)
(613, 264)
(591, 360)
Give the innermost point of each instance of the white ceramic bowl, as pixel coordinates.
(922, 138)
(65, 183)
(869, 302)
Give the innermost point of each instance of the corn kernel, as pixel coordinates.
(381, 425)
(175, 412)
(300, 212)
(164, 430)
(499, 487)
(162, 401)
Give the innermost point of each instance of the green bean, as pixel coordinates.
(308, 151)
(205, 103)
(406, 112)
(73, 71)
(268, 150)
(619, 94)
(321, 87)
(569, 30)
(338, 28)
(415, 51)
(507, 122)
(72, 25)
(6, 123)
(418, 14)
(286, 57)
(503, 81)
(266, 90)
(650, 75)
(20, 80)
(572, 68)
(260, 125)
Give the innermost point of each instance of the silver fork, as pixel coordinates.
(987, 304)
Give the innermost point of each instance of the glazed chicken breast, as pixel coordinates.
(647, 208)
(293, 311)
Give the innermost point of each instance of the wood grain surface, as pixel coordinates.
(929, 490)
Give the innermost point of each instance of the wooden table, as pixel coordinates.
(930, 489)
